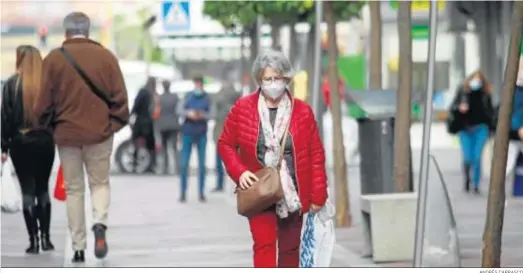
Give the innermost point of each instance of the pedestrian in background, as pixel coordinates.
(196, 112)
(29, 142)
(515, 146)
(224, 100)
(84, 92)
(473, 116)
(143, 123)
(251, 140)
(169, 127)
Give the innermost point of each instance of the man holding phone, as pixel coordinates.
(196, 112)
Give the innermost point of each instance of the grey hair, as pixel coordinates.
(77, 23)
(273, 59)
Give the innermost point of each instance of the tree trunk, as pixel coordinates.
(375, 45)
(496, 199)
(295, 48)
(253, 50)
(343, 217)
(309, 63)
(403, 104)
(242, 64)
(275, 35)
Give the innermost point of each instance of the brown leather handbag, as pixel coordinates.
(264, 193)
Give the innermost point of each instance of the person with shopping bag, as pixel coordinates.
(269, 131)
(30, 144)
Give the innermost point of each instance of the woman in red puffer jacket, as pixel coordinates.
(251, 139)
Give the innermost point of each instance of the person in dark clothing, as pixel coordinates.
(30, 144)
(196, 112)
(169, 126)
(224, 101)
(143, 129)
(473, 111)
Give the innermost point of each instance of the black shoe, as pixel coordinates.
(476, 190)
(44, 217)
(47, 245)
(31, 223)
(33, 246)
(203, 199)
(79, 256)
(183, 199)
(100, 243)
(466, 170)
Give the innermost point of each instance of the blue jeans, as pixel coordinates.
(187, 143)
(219, 171)
(473, 141)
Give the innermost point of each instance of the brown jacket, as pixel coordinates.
(78, 115)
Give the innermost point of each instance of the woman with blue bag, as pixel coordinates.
(472, 118)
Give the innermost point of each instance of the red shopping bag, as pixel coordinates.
(59, 188)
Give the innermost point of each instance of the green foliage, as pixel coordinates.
(231, 13)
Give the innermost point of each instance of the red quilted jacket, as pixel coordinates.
(237, 147)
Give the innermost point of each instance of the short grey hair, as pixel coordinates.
(77, 23)
(274, 59)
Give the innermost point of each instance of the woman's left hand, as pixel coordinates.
(315, 208)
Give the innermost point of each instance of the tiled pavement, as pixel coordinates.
(149, 228)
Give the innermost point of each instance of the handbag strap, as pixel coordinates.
(99, 93)
(285, 136)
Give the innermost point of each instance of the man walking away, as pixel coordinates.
(225, 99)
(84, 95)
(169, 126)
(195, 110)
(143, 128)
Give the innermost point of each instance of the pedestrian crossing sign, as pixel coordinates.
(176, 15)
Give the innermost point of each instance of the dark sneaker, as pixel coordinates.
(100, 243)
(476, 190)
(78, 257)
(183, 199)
(203, 199)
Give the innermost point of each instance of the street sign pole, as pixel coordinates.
(317, 60)
(425, 148)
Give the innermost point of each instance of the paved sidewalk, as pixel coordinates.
(148, 227)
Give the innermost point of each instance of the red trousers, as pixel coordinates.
(267, 229)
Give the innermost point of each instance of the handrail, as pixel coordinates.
(449, 203)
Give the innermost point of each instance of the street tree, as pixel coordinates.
(496, 199)
(237, 16)
(335, 11)
(403, 103)
(375, 45)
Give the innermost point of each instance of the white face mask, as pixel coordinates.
(273, 90)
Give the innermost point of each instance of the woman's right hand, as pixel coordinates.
(247, 179)
(4, 157)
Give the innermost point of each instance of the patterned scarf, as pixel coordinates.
(273, 135)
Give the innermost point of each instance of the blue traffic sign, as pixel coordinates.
(176, 15)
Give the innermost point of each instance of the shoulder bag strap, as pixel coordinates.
(99, 93)
(285, 136)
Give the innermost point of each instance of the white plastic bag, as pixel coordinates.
(318, 237)
(11, 199)
(350, 138)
